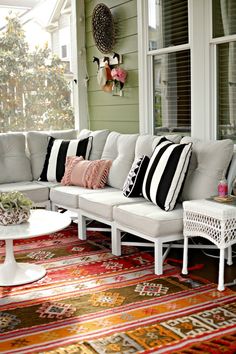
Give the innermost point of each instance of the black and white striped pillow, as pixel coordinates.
(133, 184)
(57, 152)
(166, 173)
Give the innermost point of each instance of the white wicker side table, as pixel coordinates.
(213, 221)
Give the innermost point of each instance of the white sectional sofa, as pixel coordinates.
(22, 159)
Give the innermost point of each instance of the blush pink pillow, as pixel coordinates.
(85, 173)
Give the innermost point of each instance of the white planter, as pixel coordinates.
(14, 216)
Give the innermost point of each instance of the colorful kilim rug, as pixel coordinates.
(93, 302)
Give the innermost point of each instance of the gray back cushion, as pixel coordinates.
(120, 149)
(98, 143)
(37, 145)
(209, 162)
(14, 164)
(146, 143)
(231, 175)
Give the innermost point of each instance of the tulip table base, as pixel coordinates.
(41, 222)
(13, 273)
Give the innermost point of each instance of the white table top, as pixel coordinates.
(41, 222)
(211, 208)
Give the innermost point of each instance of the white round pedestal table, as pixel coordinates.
(41, 222)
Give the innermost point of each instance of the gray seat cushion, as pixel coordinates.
(149, 219)
(102, 204)
(33, 190)
(48, 184)
(68, 196)
(14, 164)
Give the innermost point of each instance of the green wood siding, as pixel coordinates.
(107, 111)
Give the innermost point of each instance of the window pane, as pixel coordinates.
(35, 84)
(172, 99)
(167, 23)
(224, 17)
(226, 91)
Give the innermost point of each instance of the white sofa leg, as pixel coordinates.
(81, 227)
(54, 207)
(158, 258)
(48, 206)
(115, 241)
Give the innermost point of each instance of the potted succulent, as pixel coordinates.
(14, 208)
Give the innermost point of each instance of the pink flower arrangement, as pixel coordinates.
(119, 75)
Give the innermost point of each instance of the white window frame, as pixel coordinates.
(80, 97)
(201, 75)
(213, 44)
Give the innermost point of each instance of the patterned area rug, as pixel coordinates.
(93, 302)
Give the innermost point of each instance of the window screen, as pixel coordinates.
(224, 17)
(226, 90)
(167, 23)
(172, 92)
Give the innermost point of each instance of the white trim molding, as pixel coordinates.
(199, 30)
(80, 69)
(145, 118)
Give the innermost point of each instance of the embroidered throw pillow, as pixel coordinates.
(57, 152)
(134, 181)
(166, 173)
(84, 173)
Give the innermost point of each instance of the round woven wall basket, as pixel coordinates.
(103, 28)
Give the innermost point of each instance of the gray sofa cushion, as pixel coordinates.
(99, 140)
(149, 219)
(37, 145)
(33, 190)
(101, 204)
(14, 164)
(146, 143)
(231, 175)
(120, 149)
(68, 196)
(209, 162)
